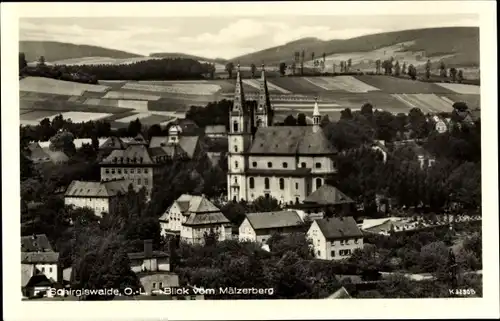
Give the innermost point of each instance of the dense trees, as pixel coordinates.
(229, 68)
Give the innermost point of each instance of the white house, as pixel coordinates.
(335, 238)
(98, 196)
(259, 227)
(46, 263)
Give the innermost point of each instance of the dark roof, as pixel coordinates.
(206, 219)
(339, 228)
(277, 172)
(142, 255)
(186, 145)
(133, 152)
(35, 243)
(267, 220)
(113, 142)
(97, 189)
(39, 280)
(302, 140)
(328, 195)
(39, 257)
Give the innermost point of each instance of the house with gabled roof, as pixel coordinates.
(284, 162)
(327, 198)
(194, 217)
(101, 197)
(335, 238)
(177, 144)
(259, 227)
(46, 263)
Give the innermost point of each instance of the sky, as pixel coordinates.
(221, 37)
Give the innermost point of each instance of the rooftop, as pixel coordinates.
(210, 218)
(35, 243)
(97, 189)
(134, 154)
(39, 257)
(143, 255)
(328, 195)
(293, 140)
(339, 228)
(268, 220)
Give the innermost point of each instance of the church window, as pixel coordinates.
(235, 148)
(236, 180)
(236, 164)
(266, 183)
(285, 165)
(254, 164)
(303, 164)
(251, 182)
(269, 164)
(318, 183)
(235, 126)
(318, 165)
(282, 183)
(296, 185)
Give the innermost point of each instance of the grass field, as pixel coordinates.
(159, 101)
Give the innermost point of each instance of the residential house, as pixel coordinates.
(35, 243)
(182, 208)
(178, 144)
(101, 197)
(35, 285)
(46, 263)
(152, 268)
(328, 199)
(285, 162)
(259, 227)
(39, 155)
(216, 131)
(335, 238)
(208, 220)
(137, 163)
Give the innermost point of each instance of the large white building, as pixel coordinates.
(284, 162)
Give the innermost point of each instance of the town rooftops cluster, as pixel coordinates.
(97, 189)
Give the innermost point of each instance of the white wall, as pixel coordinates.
(196, 234)
(246, 232)
(318, 240)
(49, 270)
(97, 204)
(152, 264)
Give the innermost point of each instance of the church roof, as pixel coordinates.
(186, 145)
(300, 140)
(328, 195)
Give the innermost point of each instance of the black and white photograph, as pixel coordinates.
(251, 157)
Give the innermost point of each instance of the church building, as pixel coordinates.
(284, 162)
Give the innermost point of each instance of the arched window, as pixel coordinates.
(266, 183)
(303, 164)
(254, 164)
(236, 180)
(235, 148)
(235, 126)
(318, 165)
(251, 182)
(269, 164)
(236, 164)
(285, 165)
(282, 183)
(319, 181)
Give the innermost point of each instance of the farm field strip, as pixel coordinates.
(252, 82)
(129, 95)
(190, 89)
(317, 83)
(77, 116)
(426, 102)
(462, 88)
(169, 82)
(321, 106)
(324, 110)
(297, 85)
(38, 115)
(58, 87)
(393, 85)
(278, 88)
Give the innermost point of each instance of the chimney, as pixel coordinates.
(148, 248)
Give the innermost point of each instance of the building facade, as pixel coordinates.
(335, 238)
(46, 263)
(284, 162)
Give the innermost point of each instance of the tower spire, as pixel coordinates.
(239, 95)
(263, 114)
(316, 116)
(316, 108)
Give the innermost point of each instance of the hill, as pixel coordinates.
(54, 51)
(460, 44)
(183, 55)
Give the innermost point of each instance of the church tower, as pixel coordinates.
(264, 114)
(239, 140)
(316, 116)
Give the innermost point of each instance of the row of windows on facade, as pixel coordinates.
(125, 170)
(341, 253)
(342, 242)
(42, 269)
(251, 183)
(132, 160)
(270, 164)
